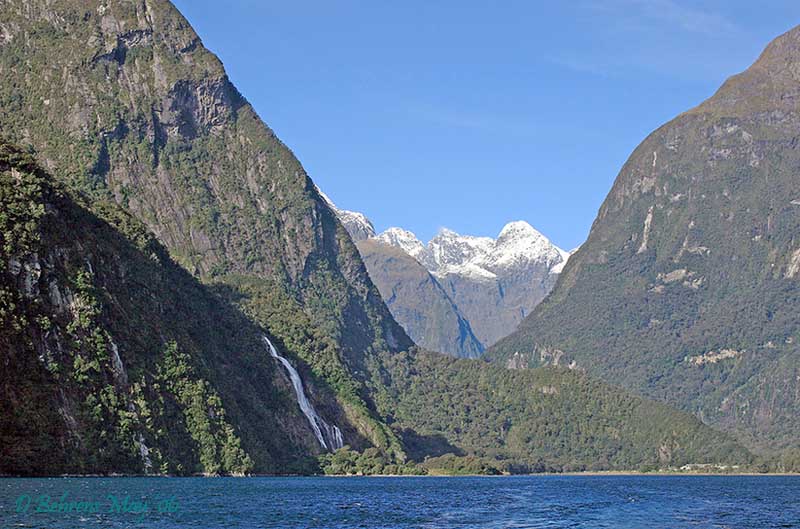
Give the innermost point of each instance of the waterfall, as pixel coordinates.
(122, 378)
(144, 451)
(322, 429)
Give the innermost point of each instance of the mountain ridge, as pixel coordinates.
(685, 289)
(511, 273)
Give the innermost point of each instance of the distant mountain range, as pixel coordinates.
(457, 294)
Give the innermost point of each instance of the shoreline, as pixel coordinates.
(593, 473)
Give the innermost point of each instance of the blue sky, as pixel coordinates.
(469, 114)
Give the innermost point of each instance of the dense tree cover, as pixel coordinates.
(373, 462)
(789, 461)
(340, 396)
(543, 419)
(453, 465)
(369, 462)
(220, 448)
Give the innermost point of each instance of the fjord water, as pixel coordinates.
(618, 502)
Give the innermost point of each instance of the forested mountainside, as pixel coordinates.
(687, 287)
(115, 358)
(168, 232)
(543, 419)
(122, 101)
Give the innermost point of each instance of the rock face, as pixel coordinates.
(494, 283)
(418, 301)
(357, 225)
(686, 288)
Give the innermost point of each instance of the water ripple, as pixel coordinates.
(529, 502)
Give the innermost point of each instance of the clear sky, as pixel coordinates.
(468, 114)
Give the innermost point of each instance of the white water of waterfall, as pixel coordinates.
(122, 379)
(321, 428)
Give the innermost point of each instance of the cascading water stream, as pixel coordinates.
(122, 379)
(329, 436)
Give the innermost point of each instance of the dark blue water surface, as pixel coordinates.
(616, 502)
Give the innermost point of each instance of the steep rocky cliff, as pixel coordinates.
(687, 287)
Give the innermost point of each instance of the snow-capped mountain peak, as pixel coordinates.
(450, 249)
(520, 244)
(518, 227)
(403, 239)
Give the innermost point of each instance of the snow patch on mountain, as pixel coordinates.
(450, 252)
(357, 224)
(403, 239)
(518, 247)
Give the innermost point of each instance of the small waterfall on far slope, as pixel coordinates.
(329, 436)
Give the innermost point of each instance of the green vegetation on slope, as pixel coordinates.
(687, 287)
(122, 101)
(116, 359)
(539, 419)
